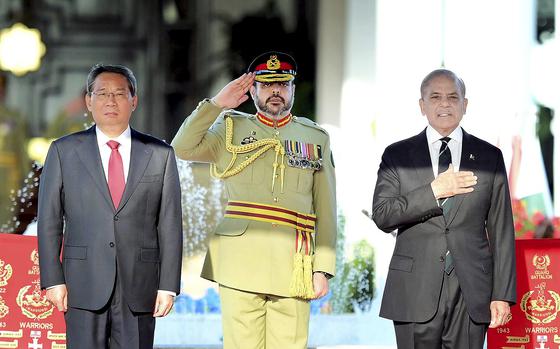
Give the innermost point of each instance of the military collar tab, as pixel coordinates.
(270, 122)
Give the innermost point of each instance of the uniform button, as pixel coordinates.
(247, 157)
(275, 224)
(442, 259)
(276, 176)
(116, 218)
(112, 244)
(277, 133)
(447, 230)
(275, 199)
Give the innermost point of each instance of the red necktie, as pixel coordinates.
(116, 173)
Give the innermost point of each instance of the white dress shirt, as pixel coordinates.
(105, 151)
(455, 146)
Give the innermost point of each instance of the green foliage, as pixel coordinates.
(359, 276)
(353, 287)
(337, 284)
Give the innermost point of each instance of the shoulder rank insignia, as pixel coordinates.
(303, 155)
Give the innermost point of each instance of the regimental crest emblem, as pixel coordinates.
(34, 257)
(541, 307)
(4, 310)
(541, 262)
(273, 63)
(5, 273)
(32, 303)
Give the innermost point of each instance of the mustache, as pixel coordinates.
(275, 97)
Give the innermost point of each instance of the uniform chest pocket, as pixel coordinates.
(305, 182)
(299, 180)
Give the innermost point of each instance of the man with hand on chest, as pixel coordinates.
(274, 250)
(446, 193)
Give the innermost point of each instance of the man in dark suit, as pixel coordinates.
(452, 273)
(109, 197)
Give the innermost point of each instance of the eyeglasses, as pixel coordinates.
(104, 96)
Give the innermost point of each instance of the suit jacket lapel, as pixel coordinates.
(88, 153)
(420, 155)
(140, 155)
(467, 164)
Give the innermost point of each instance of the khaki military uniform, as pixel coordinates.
(258, 256)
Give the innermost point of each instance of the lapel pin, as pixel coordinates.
(471, 157)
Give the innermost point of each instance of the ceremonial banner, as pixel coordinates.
(535, 322)
(27, 319)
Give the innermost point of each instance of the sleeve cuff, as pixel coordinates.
(168, 292)
(48, 288)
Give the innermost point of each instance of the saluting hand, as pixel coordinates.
(450, 183)
(235, 92)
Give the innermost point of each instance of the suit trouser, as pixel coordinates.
(450, 328)
(114, 326)
(258, 321)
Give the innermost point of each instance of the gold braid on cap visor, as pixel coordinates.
(274, 77)
(261, 147)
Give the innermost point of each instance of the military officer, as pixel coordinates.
(274, 250)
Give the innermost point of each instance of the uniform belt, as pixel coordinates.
(272, 214)
(301, 285)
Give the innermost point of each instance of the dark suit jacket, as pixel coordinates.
(478, 231)
(143, 236)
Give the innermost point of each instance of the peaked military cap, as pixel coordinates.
(273, 66)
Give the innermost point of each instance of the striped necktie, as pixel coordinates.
(443, 164)
(445, 203)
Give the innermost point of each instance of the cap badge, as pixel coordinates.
(273, 63)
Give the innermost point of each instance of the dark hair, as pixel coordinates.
(442, 72)
(111, 68)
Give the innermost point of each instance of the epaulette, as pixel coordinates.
(307, 122)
